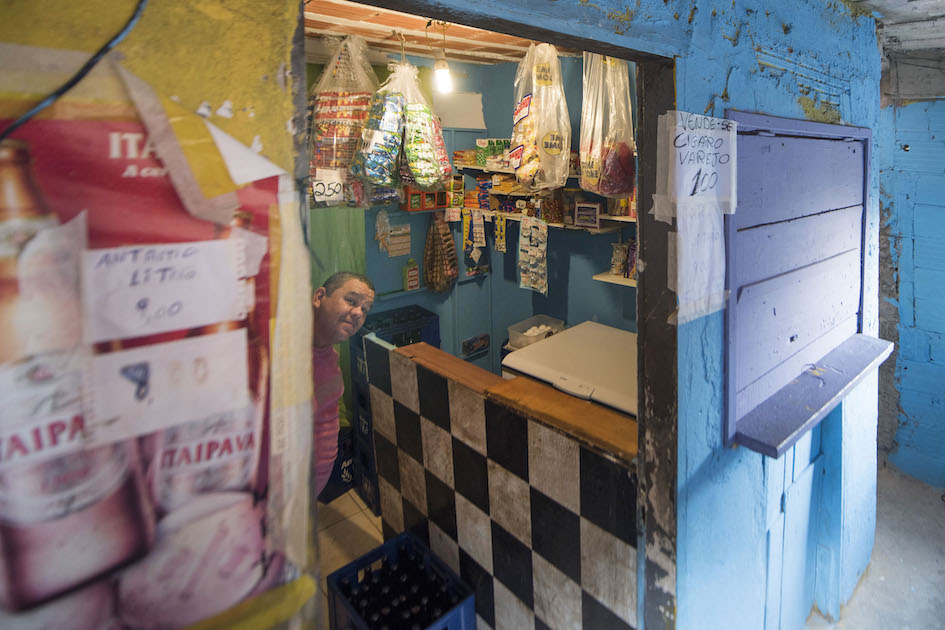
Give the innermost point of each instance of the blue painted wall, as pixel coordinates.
(799, 60)
(803, 59)
(913, 181)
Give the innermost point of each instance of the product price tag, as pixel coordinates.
(454, 214)
(147, 389)
(149, 289)
(328, 185)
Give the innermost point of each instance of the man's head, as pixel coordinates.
(341, 304)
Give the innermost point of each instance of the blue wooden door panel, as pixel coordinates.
(801, 509)
(784, 314)
(770, 250)
(764, 386)
(783, 178)
(773, 582)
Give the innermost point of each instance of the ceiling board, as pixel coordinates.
(380, 28)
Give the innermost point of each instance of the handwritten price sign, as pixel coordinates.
(328, 185)
(149, 289)
(703, 154)
(153, 387)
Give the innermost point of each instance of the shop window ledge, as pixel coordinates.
(781, 420)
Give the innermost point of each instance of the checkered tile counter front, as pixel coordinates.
(541, 526)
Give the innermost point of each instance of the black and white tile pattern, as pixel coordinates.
(542, 527)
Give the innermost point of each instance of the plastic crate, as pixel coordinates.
(365, 477)
(400, 575)
(342, 474)
(518, 338)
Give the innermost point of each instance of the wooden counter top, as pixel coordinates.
(453, 368)
(599, 426)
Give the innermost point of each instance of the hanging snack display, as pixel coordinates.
(499, 227)
(533, 255)
(541, 133)
(337, 108)
(608, 165)
(440, 264)
(420, 147)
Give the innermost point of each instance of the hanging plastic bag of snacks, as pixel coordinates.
(541, 133)
(423, 138)
(337, 108)
(608, 164)
(377, 159)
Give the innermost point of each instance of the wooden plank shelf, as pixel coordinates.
(614, 279)
(777, 423)
(610, 217)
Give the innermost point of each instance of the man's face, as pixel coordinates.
(341, 314)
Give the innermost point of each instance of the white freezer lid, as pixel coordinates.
(590, 361)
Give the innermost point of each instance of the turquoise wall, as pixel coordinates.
(912, 182)
(738, 524)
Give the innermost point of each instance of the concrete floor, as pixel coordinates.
(904, 586)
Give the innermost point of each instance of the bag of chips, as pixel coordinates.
(337, 108)
(541, 133)
(608, 164)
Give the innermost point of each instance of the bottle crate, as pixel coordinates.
(399, 585)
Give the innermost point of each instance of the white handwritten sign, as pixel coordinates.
(703, 158)
(328, 185)
(143, 290)
(154, 387)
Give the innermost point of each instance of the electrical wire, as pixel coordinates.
(78, 76)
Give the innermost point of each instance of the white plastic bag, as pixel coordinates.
(541, 135)
(608, 165)
(337, 108)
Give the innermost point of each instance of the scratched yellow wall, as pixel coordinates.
(195, 50)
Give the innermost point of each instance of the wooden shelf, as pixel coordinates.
(507, 171)
(615, 279)
(390, 295)
(484, 169)
(609, 217)
(514, 216)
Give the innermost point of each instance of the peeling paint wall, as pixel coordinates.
(232, 57)
(912, 400)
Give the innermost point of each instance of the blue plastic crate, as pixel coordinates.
(365, 475)
(392, 567)
(342, 474)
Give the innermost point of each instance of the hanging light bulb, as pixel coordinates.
(442, 79)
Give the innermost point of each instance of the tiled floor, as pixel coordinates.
(347, 529)
(904, 587)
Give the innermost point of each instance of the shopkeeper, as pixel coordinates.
(340, 307)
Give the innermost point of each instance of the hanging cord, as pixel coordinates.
(78, 76)
(403, 40)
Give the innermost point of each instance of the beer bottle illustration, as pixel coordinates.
(69, 513)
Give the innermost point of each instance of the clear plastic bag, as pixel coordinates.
(337, 108)
(541, 135)
(608, 164)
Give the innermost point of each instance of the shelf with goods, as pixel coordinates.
(498, 169)
(514, 216)
(615, 279)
